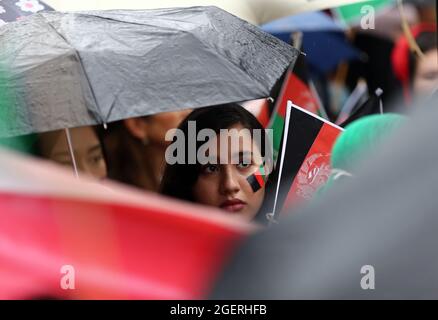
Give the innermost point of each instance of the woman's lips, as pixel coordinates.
(233, 205)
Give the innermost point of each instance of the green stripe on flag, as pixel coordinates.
(9, 116)
(351, 13)
(277, 127)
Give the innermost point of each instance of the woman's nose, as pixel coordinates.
(229, 184)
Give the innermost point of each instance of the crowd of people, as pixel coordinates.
(132, 151)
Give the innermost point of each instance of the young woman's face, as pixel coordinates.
(86, 147)
(225, 185)
(426, 75)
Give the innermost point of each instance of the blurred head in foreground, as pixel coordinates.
(360, 140)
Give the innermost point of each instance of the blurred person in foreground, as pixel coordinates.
(361, 139)
(222, 181)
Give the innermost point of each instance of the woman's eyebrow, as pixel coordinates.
(61, 154)
(94, 148)
(242, 154)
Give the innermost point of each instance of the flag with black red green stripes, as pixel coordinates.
(304, 161)
(297, 88)
(258, 179)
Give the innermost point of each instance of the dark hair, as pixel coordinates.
(119, 147)
(426, 41)
(179, 179)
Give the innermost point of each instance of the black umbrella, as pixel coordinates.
(71, 69)
(13, 10)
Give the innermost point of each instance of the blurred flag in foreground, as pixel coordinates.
(77, 239)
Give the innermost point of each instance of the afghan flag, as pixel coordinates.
(258, 179)
(304, 162)
(65, 238)
(297, 88)
(373, 105)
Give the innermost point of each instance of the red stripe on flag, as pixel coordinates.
(315, 170)
(260, 180)
(299, 93)
(263, 116)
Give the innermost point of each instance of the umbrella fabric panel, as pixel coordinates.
(324, 41)
(42, 74)
(151, 64)
(305, 22)
(325, 50)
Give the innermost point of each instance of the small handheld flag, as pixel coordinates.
(304, 161)
(258, 179)
(373, 105)
(297, 88)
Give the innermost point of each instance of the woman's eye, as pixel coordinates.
(210, 168)
(96, 159)
(430, 75)
(243, 165)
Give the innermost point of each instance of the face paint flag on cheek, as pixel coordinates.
(258, 179)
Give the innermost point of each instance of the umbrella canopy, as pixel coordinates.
(12, 10)
(384, 217)
(122, 64)
(324, 41)
(305, 22)
(121, 243)
(254, 11)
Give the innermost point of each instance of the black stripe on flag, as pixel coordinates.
(302, 132)
(255, 185)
